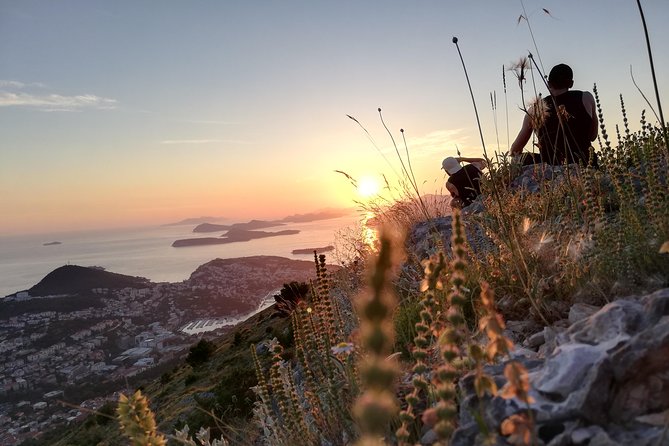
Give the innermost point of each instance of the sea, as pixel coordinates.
(147, 251)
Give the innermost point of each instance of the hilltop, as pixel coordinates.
(74, 279)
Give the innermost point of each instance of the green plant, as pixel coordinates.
(190, 379)
(290, 296)
(200, 352)
(138, 422)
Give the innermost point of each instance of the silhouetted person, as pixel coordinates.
(565, 123)
(464, 182)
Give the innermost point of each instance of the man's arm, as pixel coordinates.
(470, 160)
(523, 137)
(591, 107)
(452, 189)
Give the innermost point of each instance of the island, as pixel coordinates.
(193, 221)
(251, 225)
(232, 236)
(326, 214)
(311, 250)
(52, 243)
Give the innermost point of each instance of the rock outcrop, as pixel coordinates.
(603, 380)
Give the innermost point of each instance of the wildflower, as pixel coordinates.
(527, 225)
(430, 417)
(545, 239)
(343, 348)
(664, 249)
(538, 112)
(563, 114)
(519, 68)
(519, 427)
(518, 383)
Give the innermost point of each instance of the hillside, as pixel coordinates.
(183, 393)
(73, 279)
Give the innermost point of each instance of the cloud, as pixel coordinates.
(439, 141)
(11, 84)
(15, 94)
(203, 141)
(208, 121)
(190, 141)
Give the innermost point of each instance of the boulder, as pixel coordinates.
(604, 379)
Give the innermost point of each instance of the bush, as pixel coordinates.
(165, 378)
(191, 378)
(237, 340)
(290, 295)
(234, 395)
(200, 353)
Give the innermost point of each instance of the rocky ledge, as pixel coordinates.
(600, 377)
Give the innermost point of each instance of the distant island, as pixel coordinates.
(194, 221)
(251, 225)
(315, 216)
(311, 250)
(233, 235)
(52, 243)
(207, 226)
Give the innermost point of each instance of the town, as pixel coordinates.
(62, 363)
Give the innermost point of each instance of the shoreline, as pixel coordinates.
(145, 252)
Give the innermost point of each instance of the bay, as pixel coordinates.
(147, 251)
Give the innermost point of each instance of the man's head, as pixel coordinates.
(561, 76)
(450, 165)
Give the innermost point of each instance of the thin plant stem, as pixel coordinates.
(407, 173)
(506, 109)
(529, 27)
(652, 70)
(471, 92)
(643, 95)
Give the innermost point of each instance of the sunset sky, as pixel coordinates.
(119, 113)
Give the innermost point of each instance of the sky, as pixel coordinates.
(124, 113)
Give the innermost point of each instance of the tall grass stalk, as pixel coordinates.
(652, 70)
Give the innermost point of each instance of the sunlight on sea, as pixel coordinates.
(370, 233)
(147, 252)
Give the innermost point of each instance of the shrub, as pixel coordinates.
(290, 296)
(191, 378)
(200, 352)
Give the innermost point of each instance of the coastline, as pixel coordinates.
(145, 251)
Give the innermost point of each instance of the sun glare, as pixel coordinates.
(368, 186)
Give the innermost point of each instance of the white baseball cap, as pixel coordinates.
(451, 165)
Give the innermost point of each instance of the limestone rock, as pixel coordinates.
(602, 380)
(580, 311)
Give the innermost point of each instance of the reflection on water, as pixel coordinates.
(370, 232)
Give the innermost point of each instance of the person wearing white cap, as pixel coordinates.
(464, 182)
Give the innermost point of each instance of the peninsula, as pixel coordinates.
(233, 235)
(311, 250)
(250, 226)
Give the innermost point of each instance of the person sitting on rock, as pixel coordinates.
(464, 182)
(565, 124)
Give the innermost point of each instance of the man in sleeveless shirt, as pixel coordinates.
(464, 182)
(565, 123)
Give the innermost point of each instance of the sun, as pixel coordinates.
(368, 187)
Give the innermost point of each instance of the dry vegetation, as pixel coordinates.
(588, 236)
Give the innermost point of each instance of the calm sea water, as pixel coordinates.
(147, 251)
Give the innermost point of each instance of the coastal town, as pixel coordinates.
(63, 356)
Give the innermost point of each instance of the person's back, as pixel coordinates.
(468, 183)
(565, 123)
(464, 182)
(565, 133)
